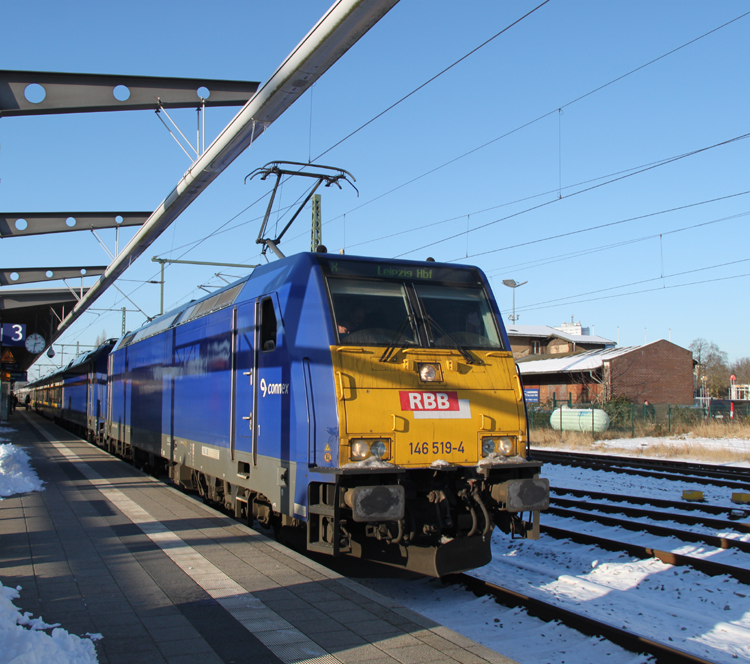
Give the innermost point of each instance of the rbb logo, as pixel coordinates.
(429, 401)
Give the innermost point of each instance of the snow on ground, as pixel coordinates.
(706, 616)
(509, 631)
(698, 550)
(604, 481)
(16, 475)
(23, 639)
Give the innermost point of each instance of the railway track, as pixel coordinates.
(725, 476)
(588, 512)
(701, 515)
(657, 517)
(595, 507)
(708, 567)
(663, 653)
(684, 505)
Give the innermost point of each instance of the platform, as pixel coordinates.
(164, 578)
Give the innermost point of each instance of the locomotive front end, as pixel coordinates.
(432, 435)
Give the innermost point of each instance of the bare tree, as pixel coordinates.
(608, 382)
(712, 365)
(101, 338)
(741, 369)
(591, 386)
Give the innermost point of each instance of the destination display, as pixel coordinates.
(385, 270)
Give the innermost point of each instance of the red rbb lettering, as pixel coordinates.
(429, 401)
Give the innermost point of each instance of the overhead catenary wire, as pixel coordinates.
(576, 193)
(432, 224)
(584, 252)
(558, 109)
(530, 122)
(433, 78)
(640, 292)
(561, 300)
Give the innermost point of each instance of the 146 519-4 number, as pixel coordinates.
(436, 447)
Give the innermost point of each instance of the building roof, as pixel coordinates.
(587, 361)
(545, 331)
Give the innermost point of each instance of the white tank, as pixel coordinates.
(584, 419)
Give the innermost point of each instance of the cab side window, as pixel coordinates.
(267, 325)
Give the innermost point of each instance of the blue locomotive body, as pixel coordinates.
(404, 442)
(183, 387)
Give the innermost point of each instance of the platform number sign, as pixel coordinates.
(14, 334)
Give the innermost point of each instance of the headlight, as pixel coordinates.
(360, 450)
(505, 445)
(429, 373)
(378, 449)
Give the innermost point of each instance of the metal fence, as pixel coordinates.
(631, 419)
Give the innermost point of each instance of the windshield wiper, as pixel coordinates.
(464, 353)
(391, 348)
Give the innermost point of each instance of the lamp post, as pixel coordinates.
(512, 283)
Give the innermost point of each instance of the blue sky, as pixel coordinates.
(502, 145)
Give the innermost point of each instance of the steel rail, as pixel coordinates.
(687, 467)
(546, 611)
(685, 519)
(639, 526)
(668, 557)
(655, 502)
(637, 467)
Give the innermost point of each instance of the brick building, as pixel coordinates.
(660, 372)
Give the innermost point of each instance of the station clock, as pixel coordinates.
(35, 343)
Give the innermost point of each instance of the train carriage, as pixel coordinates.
(76, 395)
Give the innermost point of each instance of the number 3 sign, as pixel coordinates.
(13, 334)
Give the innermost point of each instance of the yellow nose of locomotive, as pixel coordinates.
(427, 407)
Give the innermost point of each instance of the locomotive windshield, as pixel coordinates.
(458, 315)
(404, 307)
(371, 312)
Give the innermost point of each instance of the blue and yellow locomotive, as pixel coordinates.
(371, 406)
